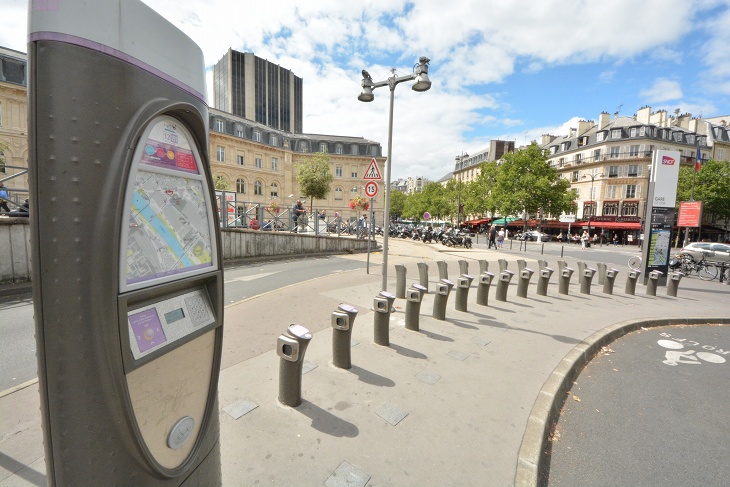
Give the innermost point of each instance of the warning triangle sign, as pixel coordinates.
(373, 172)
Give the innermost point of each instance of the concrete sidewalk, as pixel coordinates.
(448, 405)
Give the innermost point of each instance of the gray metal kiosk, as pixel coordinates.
(127, 270)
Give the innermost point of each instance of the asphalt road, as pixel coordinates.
(17, 330)
(650, 410)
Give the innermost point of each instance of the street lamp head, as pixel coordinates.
(366, 94)
(422, 82)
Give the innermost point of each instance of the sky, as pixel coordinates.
(509, 70)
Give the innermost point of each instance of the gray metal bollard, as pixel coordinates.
(343, 318)
(503, 284)
(609, 280)
(463, 267)
(654, 277)
(462, 292)
(543, 281)
(413, 307)
(581, 268)
(483, 266)
(564, 285)
(442, 296)
(420, 289)
(423, 274)
(443, 270)
(381, 321)
(541, 264)
(585, 283)
(673, 283)
(522, 285)
(400, 283)
(485, 280)
(521, 264)
(562, 265)
(601, 273)
(291, 347)
(631, 282)
(502, 265)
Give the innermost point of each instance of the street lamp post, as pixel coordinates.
(420, 74)
(593, 177)
(460, 160)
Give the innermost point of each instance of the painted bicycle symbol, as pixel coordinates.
(675, 355)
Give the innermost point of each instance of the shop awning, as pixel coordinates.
(503, 221)
(478, 221)
(610, 225)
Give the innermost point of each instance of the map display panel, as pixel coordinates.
(168, 147)
(169, 227)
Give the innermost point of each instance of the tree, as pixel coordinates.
(221, 182)
(397, 203)
(479, 199)
(525, 183)
(314, 177)
(711, 186)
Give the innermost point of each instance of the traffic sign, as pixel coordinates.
(373, 171)
(371, 189)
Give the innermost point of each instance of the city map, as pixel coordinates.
(169, 231)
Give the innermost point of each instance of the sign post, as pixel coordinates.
(372, 175)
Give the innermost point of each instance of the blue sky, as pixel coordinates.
(500, 69)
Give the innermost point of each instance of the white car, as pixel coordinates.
(718, 252)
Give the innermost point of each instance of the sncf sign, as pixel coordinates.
(668, 161)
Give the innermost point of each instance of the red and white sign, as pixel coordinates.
(373, 171)
(690, 214)
(371, 189)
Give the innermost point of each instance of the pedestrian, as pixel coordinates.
(492, 237)
(500, 238)
(3, 197)
(323, 215)
(297, 211)
(615, 240)
(583, 240)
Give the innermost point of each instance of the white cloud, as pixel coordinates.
(662, 90)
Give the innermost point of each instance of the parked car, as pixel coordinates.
(713, 251)
(535, 236)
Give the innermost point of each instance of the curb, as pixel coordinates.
(531, 468)
(14, 289)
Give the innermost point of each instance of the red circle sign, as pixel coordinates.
(371, 189)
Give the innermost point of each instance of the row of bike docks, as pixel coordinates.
(292, 345)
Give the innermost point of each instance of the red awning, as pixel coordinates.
(476, 222)
(610, 225)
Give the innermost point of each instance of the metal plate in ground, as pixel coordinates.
(240, 407)
(391, 413)
(308, 367)
(428, 377)
(457, 355)
(347, 476)
(481, 341)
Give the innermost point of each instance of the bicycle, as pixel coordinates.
(706, 270)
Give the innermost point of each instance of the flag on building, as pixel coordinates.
(698, 160)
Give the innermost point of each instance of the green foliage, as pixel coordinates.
(221, 182)
(314, 177)
(397, 203)
(711, 186)
(477, 196)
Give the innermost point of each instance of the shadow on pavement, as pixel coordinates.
(327, 422)
(371, 377)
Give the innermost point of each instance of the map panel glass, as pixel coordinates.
(167, 146)
(169, 230)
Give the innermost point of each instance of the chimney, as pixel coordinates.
(546, 139)
(584, 126)
(572, 132)
(603, 120)
(642, 116)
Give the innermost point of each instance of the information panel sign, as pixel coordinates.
(690, 214)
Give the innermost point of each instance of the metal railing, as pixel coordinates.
(16, 196)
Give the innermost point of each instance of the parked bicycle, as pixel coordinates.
(705, 269)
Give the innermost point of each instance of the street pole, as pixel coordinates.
(388, 165)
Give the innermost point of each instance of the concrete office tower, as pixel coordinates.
(256, 89)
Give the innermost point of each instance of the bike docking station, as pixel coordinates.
(443, 289)
(564, 283)
(609, 280)
(483, 266)
(290, 347)
(343, 318)
(585, 282)
(462, 292)
(524, 282)
(485, 280)
(127, 261)
(414, 296)
(443, 270)
(631, 279)
(423, 274)
(521, 264)
(382, 305)
(601, 273)
(673, 283)
(581, 267)
(463, 267)
(544, 280)
(541, 264)
(654, 277)
(561, 265)
(502, 265)
(503, 285)
(400, 286)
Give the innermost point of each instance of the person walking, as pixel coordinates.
(615, 240)
(297, 212)
(583, 240)
(492, 237)
(3, 197)
(500, 238)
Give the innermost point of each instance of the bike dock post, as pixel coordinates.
(631, 282)
(414, 295)
(485, 280)
(483, 266)
(564, 284)
(601, 273)
(462, 292)
(443, 270)
(654, 277)
(673, 283)
(524, 282)
(502, 265)
(400, 286)
(609, 280)
(423, 274)
(463, 267)
(521, 264)
(544, 280)
(503, 284)
(442, 297)
(585, 282)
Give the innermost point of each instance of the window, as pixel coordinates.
(630, 209)
(690, 139)
(599, 136)
(220, 154)
(258, 188)
(241, 160)
(240, 186)
(633, 131)
(303, 146)
(630, 191)
(274, 190)
(610, 208)
(274, 164)
(338, 171)
(612, 171)
(578, 158)
(678, 136)
(338, 149)
(611, 191)
(633, 171)
(596, 154)
(257, 136)
(219, 125)
(720, 154)
(642, 131)
(274, 140)
(338, 194)
(553, 149)
(354, 150)
(561, 162)
(353, 171)
(616, 134)
(323, 147)
(239, 133)
(373, 150)
(574, 177)
(634, 151)
(258, 164)
(615, 152)
(589, 209)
